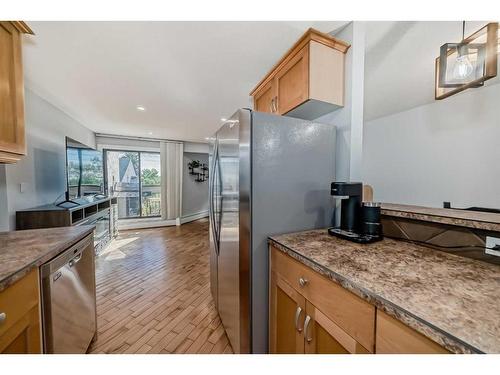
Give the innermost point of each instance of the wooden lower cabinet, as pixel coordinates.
(323, 336)
(296, 326)
(393, 337)
(311, 314)
(20, 328)
(287, 317)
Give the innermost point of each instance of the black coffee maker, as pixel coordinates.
(359, 223)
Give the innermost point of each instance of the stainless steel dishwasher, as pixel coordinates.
(68, 299)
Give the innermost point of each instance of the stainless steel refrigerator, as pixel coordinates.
(268, 175)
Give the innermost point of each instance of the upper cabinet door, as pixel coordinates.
(12, 141)
(308, 81)
(323, 336)
(292, 82)
(264, 99)
(286, 320)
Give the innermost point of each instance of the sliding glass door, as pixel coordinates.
(134, 177)
(150, 184)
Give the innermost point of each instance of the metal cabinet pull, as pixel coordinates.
(3, 317)
(297, 317)
(271, 105)
(57, 276)
(75, 260)
(275, 101)
(303, 282)
(306, 328)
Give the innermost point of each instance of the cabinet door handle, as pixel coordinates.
(297, 317)
(275, 101)
(271, 105)
(306, 328)
(3, 317)
(303, 282)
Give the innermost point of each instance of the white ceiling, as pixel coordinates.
(187, 74)
(399, 63)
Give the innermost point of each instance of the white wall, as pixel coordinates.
(196, 147)
(444, 151)
(117, 143)
(42, 170)
(349, 119)
(194, 194)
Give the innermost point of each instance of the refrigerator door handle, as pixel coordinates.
(220, 201)
(211, 197)
(210, 192)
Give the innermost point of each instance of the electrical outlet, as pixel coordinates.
(492, 242)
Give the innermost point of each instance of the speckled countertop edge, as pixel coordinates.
(468, 219)
(34, 263)
(436, 334)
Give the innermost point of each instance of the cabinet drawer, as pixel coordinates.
(355, 316)
(393, 337)
(18, 299)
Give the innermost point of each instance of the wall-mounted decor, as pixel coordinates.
(198, 169)
(467, 64)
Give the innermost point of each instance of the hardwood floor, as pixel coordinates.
(153, 293)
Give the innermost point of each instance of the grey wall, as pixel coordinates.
(4, 208)
(194, 194)
(42, 170)
(444, 151)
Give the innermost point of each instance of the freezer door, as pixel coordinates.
(228, 260)
(293, 164)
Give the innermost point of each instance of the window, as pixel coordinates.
(134, 177)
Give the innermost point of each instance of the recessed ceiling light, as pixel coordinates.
(223, 119)
(140, 108)
(150, 133)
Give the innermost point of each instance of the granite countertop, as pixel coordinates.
(464, 218)
(21, 251)
(453, 300)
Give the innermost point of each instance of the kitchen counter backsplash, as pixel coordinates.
(460, 233)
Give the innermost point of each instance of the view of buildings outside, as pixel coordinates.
(135, 179)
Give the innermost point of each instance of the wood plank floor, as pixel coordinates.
(153, 293)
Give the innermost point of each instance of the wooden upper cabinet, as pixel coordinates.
(308, 81)
(264, 100)
(292, 82)
(12, 137)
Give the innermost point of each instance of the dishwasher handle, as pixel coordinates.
(75, 260)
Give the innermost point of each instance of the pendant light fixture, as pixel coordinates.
(463, 67)
(468, 63)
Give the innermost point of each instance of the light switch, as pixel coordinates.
(23, 186)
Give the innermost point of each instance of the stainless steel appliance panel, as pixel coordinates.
(227, 167)
(244, 118)
(68, 299)
(293, 164)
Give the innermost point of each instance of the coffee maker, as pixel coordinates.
(358, 222)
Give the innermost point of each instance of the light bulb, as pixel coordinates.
(463, 67)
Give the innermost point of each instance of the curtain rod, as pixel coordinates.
(142, 138)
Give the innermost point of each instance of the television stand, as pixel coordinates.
(83, 211)
(63, 204)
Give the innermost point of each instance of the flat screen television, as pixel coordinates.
(84, 170)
